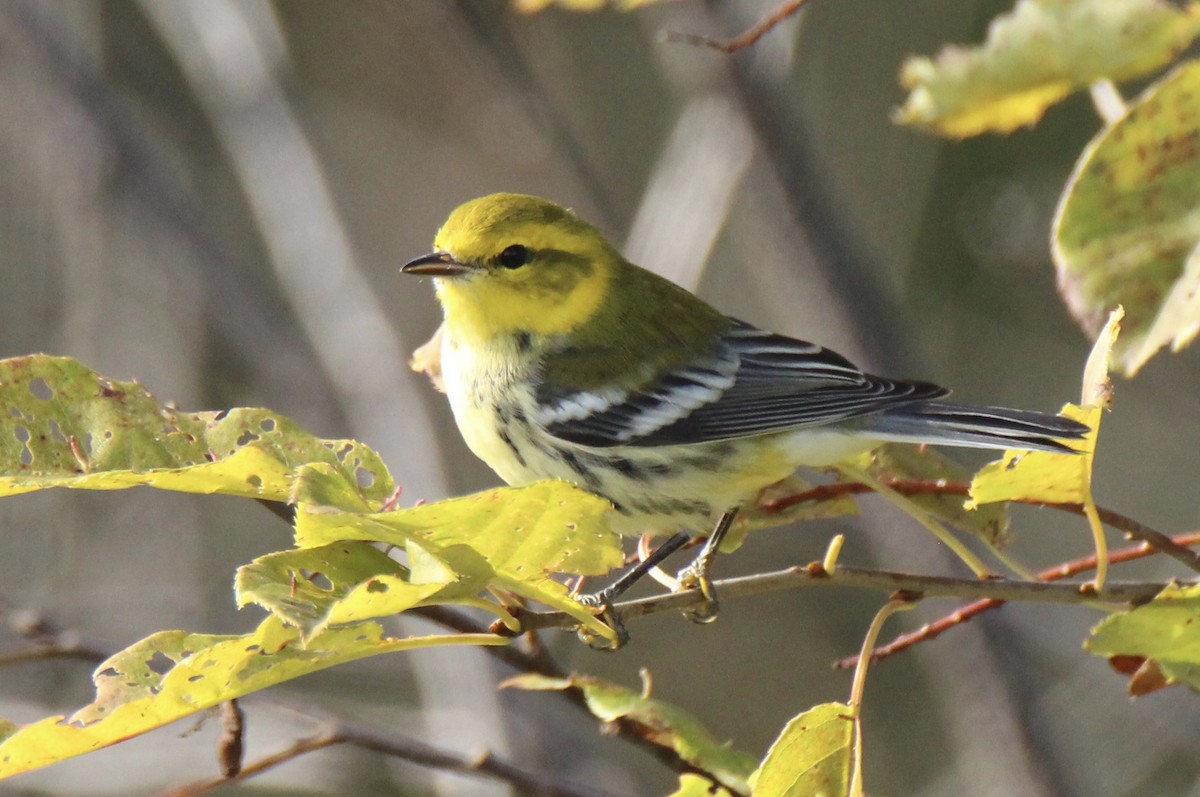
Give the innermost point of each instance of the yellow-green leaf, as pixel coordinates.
(336, 584)
(693, 785)
(1128, 224)
(1165, 630)
(661, 723)
(64, 425)
(1035, 56)
(512, 538)
(811, 757)
(173, 674)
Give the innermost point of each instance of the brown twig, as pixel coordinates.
(47, 640)
(919, 586)
(341, 730)
(827, 492)
(961, 615)
(743, 39)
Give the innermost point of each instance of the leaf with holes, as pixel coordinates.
(811, 756)
(64, 425)
(510, 538)
(1128, 225)
(173, 674)
(658, 722)
(1039, 53)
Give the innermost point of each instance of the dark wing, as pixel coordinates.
(755, 382)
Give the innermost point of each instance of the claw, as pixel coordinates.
(695, 576)
(602, 602)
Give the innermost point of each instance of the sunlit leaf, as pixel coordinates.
(1036, 55)
(511, 538)
(344, 582)
(1052, 477)
(64, 425)
(692, 785)
(659, 722)
(173, 674)
(1128, 224)
(1164, 630)
(1045, 477)
(811, 756)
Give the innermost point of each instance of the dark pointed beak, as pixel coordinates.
(436, 264)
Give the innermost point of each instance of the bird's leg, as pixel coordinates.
(603, 599)
(606, 596)
(699, 572)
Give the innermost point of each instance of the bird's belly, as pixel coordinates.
(657, 489)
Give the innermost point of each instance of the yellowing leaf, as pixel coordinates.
(692, 785)
(1037, 54)
(64, 425)
(1128, 223)
(1039, 476)
(811, 756)
(337, 584)
(511, 538)
(659, 722)
(173, 674)
(1164, 630)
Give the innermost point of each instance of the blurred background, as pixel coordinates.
(214, 197)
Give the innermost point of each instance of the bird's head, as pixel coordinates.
(509, 263)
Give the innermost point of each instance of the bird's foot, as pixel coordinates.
(602, 602)
(697, 576)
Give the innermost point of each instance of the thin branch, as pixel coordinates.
(537, 659)
(916, 586)
(743, 39)
(47, 640)
(1122, 523)
(341, 730)
(961, 615)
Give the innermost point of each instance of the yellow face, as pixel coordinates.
(510, 263)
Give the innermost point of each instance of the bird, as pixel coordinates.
(563, 360)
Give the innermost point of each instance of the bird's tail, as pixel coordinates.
(976, 427)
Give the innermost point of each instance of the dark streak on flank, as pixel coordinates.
(512, 447)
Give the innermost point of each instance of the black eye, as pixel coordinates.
(514, 256)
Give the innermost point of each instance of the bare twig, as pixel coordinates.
(743, 39)
(917, 586)
(1127, 525)
(972, 610)
(47, 640)
(341, 730)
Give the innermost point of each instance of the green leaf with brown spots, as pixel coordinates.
(1128, 225)
(1039, 53)
(811, 756)
(64, 425)
(174, 674)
